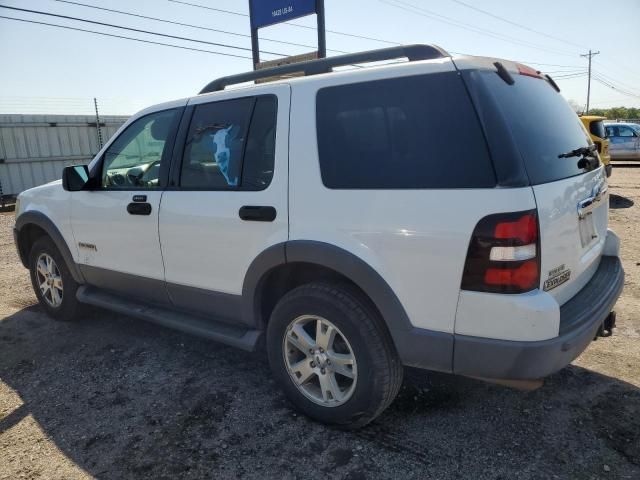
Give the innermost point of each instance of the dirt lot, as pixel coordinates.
(113, 397)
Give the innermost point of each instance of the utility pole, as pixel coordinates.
(589, 55)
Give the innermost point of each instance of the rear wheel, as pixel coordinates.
(52, 282)
(332, 355)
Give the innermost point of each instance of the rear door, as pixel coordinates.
(229, 198)
(572, 201)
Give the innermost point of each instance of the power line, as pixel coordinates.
(564, 71)
(516, 24)
(335, 32)
(569, 74)
(148, 32)
(200, 27)
(569, 77)
(127, 38)
(613, 80)
(411, 8)
(622, 65)
(598, 79)
(551, 64)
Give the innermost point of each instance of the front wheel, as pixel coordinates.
(52, 282)
(332, 355)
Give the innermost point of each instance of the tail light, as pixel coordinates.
(504, 254)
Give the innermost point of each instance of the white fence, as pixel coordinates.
(35, 148)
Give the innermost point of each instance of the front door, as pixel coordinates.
(230, 199)
(115, 223)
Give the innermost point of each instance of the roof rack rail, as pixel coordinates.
(324, 65)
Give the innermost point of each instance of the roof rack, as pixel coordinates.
(324, 65)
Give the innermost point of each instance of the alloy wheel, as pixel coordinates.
(320, 360)
(49, 280)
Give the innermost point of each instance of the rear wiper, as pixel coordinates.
(579, 152)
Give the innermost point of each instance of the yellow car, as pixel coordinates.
(595, 126)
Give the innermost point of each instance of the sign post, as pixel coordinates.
(265, 13)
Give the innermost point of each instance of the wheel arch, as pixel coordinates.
(32, 225)
(417, 347)
(270, 276)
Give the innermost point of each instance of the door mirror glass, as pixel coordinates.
(75, 177)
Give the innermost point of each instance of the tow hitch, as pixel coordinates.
(606, 329)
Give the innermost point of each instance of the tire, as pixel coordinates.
(375, 376)
(66, 309)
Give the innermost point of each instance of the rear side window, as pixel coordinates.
(597, 128)
(402, 133)
(540, 122)
(231, 145)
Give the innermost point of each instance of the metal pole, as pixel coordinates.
(589, 55)
(255, 41)
(322, 39)
(98, 129)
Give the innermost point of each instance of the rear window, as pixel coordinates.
(542, 125)
(597, 128)
(402, 133)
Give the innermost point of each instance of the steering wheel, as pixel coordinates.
(151, 174)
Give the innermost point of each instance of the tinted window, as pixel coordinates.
(541, 123)
(597, 129)
(133, 159)
(411, 132)
(260, 152)
(231, 145)
(215, 142)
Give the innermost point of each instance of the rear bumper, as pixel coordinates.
(580, 319)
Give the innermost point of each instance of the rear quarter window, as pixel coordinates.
(404, 133)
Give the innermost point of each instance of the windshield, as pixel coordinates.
(542, 125)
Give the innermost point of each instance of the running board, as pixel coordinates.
(239, 337)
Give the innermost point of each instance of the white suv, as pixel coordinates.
(444, 213)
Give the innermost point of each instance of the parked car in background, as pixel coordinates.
(624, 140)
(595, 126)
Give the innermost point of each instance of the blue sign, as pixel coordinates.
(270, 12)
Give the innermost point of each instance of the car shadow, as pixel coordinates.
(122, 398)
(618, 201)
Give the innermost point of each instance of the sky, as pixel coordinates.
(52, 70)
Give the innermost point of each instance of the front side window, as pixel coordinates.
(231, 145)
(133, 160)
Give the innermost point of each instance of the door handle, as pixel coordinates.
(137, 208)
(252, 213)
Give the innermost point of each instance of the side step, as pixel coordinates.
(239, 337)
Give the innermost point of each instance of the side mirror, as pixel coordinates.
(75, 178)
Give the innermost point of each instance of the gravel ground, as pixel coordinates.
(113, 397)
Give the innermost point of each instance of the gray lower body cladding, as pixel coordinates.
(580, 319)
